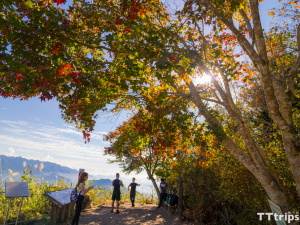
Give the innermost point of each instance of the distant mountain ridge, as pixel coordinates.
(51, 171)
(102, 182)
(16, 165)
(56, 177)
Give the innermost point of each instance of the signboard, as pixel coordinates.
(81, 171)
(60, 198)
(276, 210)
(16, 189)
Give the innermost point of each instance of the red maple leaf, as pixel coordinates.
(60, 2)
(172, 58)
(77, 81)
(74, 74)
(19, 77)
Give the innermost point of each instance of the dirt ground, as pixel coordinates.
(140, 214)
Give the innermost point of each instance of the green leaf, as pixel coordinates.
(29, 4)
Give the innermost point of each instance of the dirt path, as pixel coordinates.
(140, 214)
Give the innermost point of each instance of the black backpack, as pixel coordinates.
(174, 200)
(169, 198)
(74, 195)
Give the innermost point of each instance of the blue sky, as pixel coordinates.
(35, 130)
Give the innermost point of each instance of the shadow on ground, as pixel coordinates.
(141, 214)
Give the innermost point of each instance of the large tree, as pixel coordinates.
(153, 137)
(151, 51)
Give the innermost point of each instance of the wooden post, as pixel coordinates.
(54, 210)
(61, 213)
(180, 198)
(71, 209)
(67, 211)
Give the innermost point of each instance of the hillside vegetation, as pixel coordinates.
(37, 206)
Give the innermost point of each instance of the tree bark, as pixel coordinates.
(180, 198)
(256, 167)
(153, 182)
(278, 102)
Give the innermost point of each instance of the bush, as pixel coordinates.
(221, 191)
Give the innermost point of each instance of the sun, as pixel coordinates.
(205, 79)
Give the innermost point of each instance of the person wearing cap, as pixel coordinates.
(163, 191)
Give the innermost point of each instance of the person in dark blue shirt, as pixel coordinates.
(132, 190)
(163, 192)
(116, 193)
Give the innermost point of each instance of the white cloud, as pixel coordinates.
(11, 123)
(48, 158)
(63, 142)
(70, 131)
(10, 151)
(63, 145)
(5, 108)
(16, 131)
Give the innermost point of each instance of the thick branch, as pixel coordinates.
(294, 69)
(258, 31)
(247, 47)
(247, 21)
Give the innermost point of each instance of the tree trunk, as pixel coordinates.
(180, 198)
(154, 183)
(278, 102)
(254, 163)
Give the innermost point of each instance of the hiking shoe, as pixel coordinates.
(117, 212)
(112, 211)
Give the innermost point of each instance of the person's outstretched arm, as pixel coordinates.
(129, 186)
(82, 189)
(139, 185)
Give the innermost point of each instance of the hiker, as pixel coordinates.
(132, 190)
(82, 191)
(116, 193)
(163, 191)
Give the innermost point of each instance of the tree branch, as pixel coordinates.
(248, 24)
(258, 32)
(294, 69)
(246, 46)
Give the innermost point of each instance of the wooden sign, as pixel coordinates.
(60, 198)
(16, 189)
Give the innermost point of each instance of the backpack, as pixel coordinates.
(174, 200)
(169, 198)
(74, 195)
